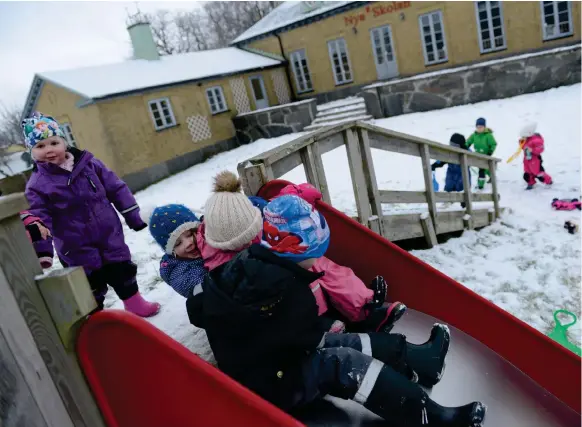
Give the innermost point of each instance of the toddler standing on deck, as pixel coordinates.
(71, 192)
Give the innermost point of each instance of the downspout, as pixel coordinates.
(293, 96)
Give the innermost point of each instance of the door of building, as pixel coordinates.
(384, 54)
(259, 92)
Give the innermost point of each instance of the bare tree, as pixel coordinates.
(10, 134)
(192, 31)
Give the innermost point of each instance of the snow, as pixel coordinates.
(137, 74)
(349, 101)
(276, 107)
(526, 263)
(287, 13)
(470, 67)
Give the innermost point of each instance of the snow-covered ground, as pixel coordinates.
(526, 263)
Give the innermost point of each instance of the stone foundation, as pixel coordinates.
(495, 79)
(274, 121)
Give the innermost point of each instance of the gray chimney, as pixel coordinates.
(143, 43)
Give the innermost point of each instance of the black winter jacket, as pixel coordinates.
(261, 320)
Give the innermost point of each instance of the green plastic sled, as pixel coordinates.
(559, 333)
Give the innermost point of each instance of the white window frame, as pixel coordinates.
(331, 44)
(557, 22)
(299, 56)
(493, 48)
(68, 131)
(433, 38)
(168, 121)
(217, 94)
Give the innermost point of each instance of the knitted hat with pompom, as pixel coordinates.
(231, 221)
(528, 130)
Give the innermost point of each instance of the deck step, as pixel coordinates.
(340, 103)
(320, 125)
(339, 116)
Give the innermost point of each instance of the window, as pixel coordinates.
(340, 63)
(556, 19)
(490, 26)
(432, 34)
(301, 71)
(69, 134)
(216, 99)
(162, 113)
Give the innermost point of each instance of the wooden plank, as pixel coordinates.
(330, 143)
(69, 299)
(466, 185)
(24, 377)
(357, 174)
(450, 221)
(495, 188)
(391, 197)
(393, 144)
(320, 171)
(427, 173)
(374, 224)
(402, 227)
(12, 204)
(467, 222)
(20, 265)
(491, 216)
(306, 154)
(480, 218)
(428, 229)
(370, 177)
(286, 164)
(253, 177)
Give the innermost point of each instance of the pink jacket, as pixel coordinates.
(343, 289)
(535, 144)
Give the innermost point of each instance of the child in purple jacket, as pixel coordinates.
(71, 192)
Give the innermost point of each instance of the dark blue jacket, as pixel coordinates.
(182, 274)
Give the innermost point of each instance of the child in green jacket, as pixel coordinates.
(484, 143)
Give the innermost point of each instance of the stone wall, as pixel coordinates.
(274, 121)
(480, 82)
(141, 179)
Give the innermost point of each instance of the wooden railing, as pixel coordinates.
(359, 138)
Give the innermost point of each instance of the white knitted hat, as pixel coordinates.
(231, 221)
(528, 130)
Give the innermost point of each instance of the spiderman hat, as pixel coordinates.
(293, 229)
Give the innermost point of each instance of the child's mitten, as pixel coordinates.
(380, 289)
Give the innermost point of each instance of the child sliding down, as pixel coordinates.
(263, 326)
(533, 146)
(71, 192)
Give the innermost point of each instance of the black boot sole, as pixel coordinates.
(394, 316)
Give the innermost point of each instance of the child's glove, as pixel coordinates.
(528, 154)
(37, 231)
(380, 289)
(140, 227)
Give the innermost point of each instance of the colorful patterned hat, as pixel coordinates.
(294, 229)
(166, 223)
(39, 127)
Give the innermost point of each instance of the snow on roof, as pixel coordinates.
(288, 13)
(137, 74)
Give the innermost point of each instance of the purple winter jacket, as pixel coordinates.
(76, 207)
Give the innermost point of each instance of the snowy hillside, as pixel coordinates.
(526, 263)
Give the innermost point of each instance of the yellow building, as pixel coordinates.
(152, 116)
(334, 48)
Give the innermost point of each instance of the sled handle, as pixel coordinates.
(568, 313)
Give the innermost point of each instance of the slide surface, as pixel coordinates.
(142, 377)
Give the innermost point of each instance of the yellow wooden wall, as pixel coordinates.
(522, 26)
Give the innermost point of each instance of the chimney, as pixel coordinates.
(143, 43)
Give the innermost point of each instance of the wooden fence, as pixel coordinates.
(41, 383)
(359, 138)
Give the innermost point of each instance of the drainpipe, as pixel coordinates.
(293, 96)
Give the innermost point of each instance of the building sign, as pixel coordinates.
(376, 11)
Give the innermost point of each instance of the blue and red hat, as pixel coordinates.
(295, 230)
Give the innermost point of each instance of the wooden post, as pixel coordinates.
(374, 224)
(493, 172)
(19, 264)
(467, 188)
(320, 172)
(370, 176)
(357, 173)
(430, 197)
(428, 228)
(467, 222)
(253, 177)
(491, 215)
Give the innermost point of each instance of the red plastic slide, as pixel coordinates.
(142, 377)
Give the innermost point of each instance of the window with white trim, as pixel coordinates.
(69, 134)
(340, 61)
(162, 114)
(490, 26)
(432, 33)
(216, 99)
(556, 19)
(301, 70)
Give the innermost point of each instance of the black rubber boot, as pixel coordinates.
(391, 350)
(403, 403)
(428, 359)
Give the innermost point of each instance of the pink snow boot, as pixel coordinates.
(137, 305)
